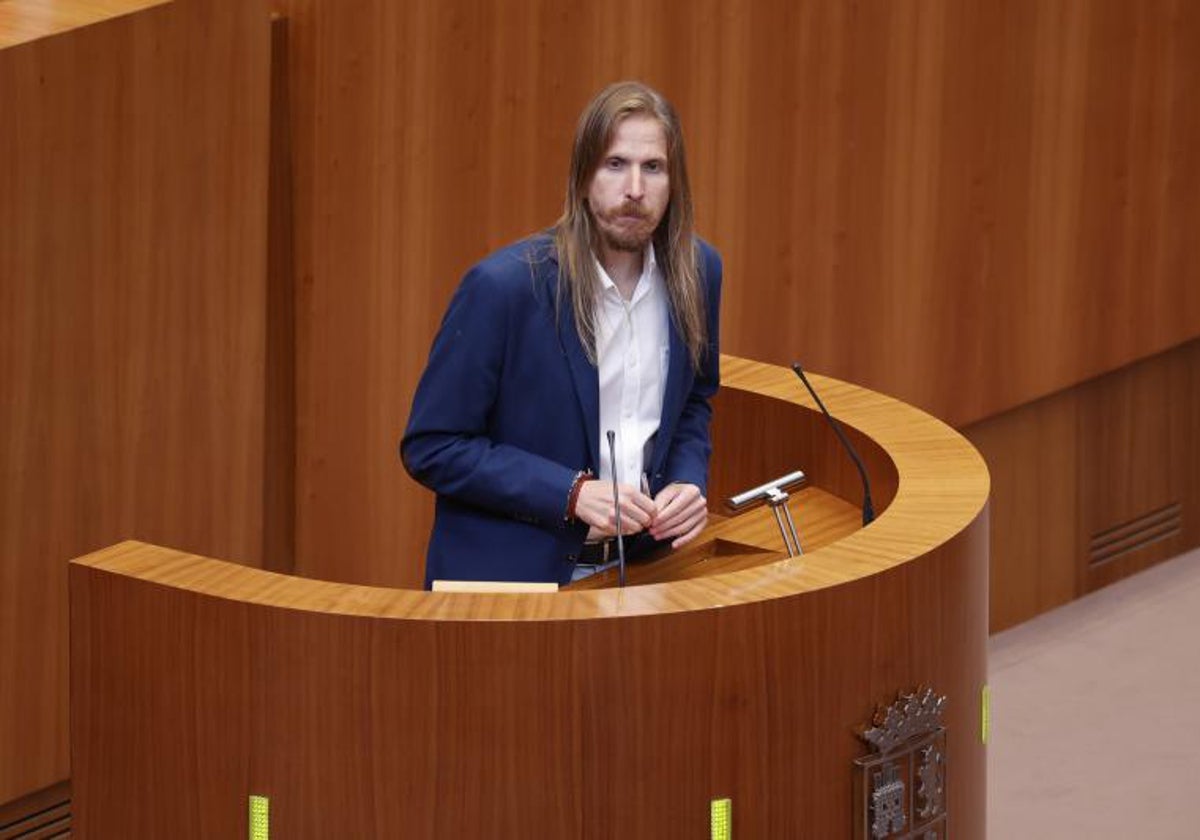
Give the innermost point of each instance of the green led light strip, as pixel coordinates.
(985, 710)
(721, 816)
(260, 826)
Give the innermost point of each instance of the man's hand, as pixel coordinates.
(682, 513)
(595, 507)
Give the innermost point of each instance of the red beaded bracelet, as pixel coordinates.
(573, 496)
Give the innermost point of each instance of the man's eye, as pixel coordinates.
(613, 163)
(654, 166)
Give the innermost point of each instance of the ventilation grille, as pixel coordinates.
(1158, 525)
(38, 817)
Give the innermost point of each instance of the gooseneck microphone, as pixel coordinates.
(868, 508)
(612, 459)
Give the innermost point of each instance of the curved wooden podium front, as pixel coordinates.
(725, 672)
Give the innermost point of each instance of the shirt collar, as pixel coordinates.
(649, 268)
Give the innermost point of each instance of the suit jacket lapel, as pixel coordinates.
(584, 375)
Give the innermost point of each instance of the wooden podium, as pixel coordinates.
(726, 671)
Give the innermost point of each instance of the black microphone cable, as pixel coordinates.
(868, 507)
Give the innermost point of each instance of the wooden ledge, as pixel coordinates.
(22, 21)
(942, 488)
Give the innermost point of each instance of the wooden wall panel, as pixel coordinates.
(989, 198)
(1139, 466)
(1092, 484)
(132, 255)
(1032, 455)
(970, 205)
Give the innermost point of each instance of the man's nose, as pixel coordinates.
(636, 187)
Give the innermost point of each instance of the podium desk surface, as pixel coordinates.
(942, 486)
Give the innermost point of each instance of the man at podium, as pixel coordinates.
(604, 328)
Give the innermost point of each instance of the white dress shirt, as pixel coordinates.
(632, 351)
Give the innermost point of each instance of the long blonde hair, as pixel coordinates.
(575, 236)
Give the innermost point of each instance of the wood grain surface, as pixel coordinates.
(1113, 463)
(132, 235)
(379, 712)
(974, 206)
(1139, 459)
(1032, 455)
(22, 21)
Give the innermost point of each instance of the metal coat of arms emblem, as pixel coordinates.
(900, 787)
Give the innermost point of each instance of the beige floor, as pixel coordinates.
(1096, 715)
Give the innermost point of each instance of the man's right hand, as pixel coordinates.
(595, 507)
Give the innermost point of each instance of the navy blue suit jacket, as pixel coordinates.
(507, 412)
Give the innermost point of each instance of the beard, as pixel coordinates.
(627, 227)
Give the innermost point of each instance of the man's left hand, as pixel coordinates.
(682, 513)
